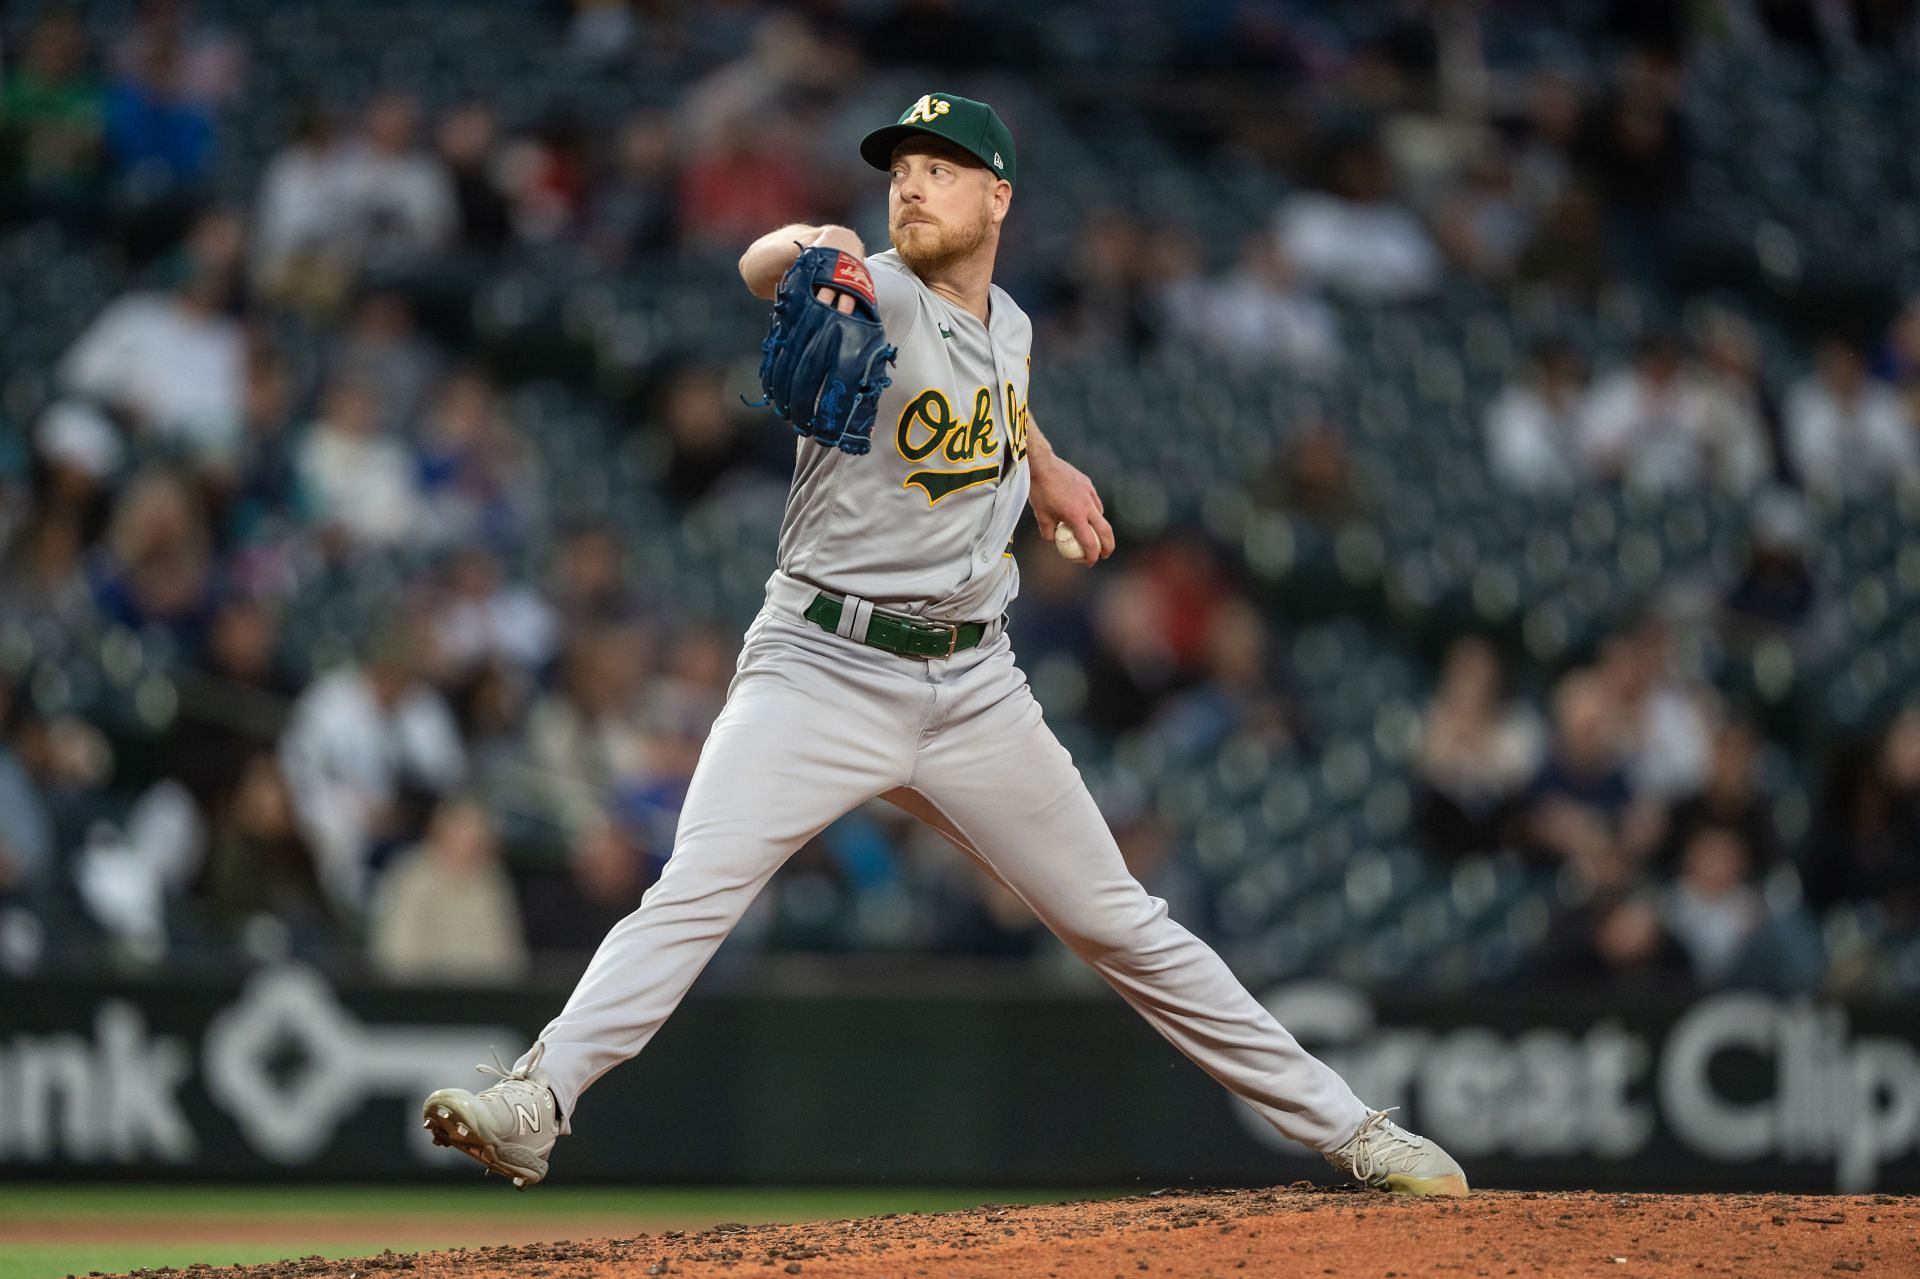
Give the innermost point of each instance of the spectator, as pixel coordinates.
(467, 142)
(26, 827)
(1478, 752)
(1101, 303)
(480, 482)
(490, 704)
(1355, 238)
(357, 485)
(705, 443)
(300, 254)
(1483, 226)
(1257, 314)
(1867, 849)
(1533, 427)
(751, 176)
(787, 69)
(260, 863)
(368, 747)
(1567, 252)
(485, 619)
(79, 451)
(1715, 911)
(1736, 397)
(1318, 478)
(588, 583)
(689, 692)
(1847, 433)
(1134, 662)
(43, 582)
(397, 206)
(233, 701)
(445, 911)
(549, 178)
(1776, 592)
(213, 62)
(53, 111)
(587, 735)
(1729, 800)
(1053, 614)
(1634, 152)
(155, 569)
(1618, 939)
(609, 872)
(1235, 695)
(1582, 810)
(1655, 425)
(381, 347)
(1898, 360)
(1542, 153)
(647, 801)
(159, 130)
(1719, 916)
(262, 492)
(600, 31)
(172, 361)
(632, 215)
(1665, 722)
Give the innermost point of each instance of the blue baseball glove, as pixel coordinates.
(821, 368)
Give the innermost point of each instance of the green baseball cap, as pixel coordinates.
(972, 126)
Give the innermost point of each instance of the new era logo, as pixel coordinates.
(996, 161)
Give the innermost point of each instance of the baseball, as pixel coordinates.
(1067, 544)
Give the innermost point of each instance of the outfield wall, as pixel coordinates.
(288, 1077)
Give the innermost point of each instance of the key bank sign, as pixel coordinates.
(1735, 1078)
(285, 1061)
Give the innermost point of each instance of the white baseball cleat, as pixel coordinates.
(1388, 1157)
(510, 1127)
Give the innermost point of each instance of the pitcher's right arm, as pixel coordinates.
(768, 257)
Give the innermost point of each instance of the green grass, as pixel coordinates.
(48, 1261)
(437, 1212)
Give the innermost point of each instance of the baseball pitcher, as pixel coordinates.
(880, 666)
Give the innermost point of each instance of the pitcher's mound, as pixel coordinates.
(1294, 1231)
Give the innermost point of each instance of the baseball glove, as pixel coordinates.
(822, 369)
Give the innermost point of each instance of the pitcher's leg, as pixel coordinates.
(1006, 789)
(773, 773)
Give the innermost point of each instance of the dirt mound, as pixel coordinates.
(1300, 1230)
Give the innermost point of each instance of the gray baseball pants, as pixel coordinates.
(816, 724)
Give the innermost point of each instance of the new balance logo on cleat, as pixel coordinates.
(529, 1122)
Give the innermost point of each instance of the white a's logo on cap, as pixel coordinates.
(926, 110)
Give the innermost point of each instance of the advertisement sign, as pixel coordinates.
(287, 1076)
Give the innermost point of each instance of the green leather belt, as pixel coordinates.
(907, 636)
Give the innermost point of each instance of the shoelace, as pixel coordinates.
(1366, 1162)
(518, 1074)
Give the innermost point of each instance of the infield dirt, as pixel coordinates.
(1300, 1230)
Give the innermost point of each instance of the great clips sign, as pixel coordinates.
(289, 1076)
(1735, 1080)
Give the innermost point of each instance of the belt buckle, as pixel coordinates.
(953, 639)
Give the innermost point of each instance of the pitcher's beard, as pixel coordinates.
(947, 246)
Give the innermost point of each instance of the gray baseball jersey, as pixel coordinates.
(922, 524)
(817, 723)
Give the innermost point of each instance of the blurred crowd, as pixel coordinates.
(494, 772)
(1646, 795)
